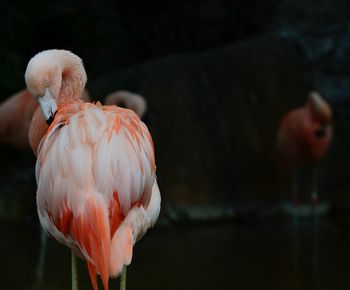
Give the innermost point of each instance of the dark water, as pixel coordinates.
(254, 255)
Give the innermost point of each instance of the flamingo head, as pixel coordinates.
(54, 77)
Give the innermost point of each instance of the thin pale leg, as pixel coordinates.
(315, 199)
(314, 192)
(42, 256)
(295, 200)
(296, 249)
(123, 279)
(316, 222)
(74, 272)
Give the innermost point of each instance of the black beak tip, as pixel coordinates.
(50, 120)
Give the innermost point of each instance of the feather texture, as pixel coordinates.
(97, 190)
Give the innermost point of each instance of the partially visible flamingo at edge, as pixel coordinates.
(17, 111)
(97, 190)
(16, 114)
(304, 137)
(128, 100)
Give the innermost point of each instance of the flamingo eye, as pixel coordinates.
(321, 132)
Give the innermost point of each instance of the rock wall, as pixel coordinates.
(218, 76)
(214, 116)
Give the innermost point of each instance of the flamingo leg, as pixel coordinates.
(74, 272)
(296, 209)
(42, 256)
(314, 192)
(295, 200)
(315, 199)
(316, 222)
(123, 279)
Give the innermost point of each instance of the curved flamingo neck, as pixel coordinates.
(64, 74)
(130, 100)
(37, 130)
(73, 77)
(59, 70)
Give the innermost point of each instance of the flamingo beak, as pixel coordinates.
(48, 106)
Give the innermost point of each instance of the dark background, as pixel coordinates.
(218, 75)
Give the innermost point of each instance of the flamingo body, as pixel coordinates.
(129, 100)
(97, 190)
(305, 133)
(15, 116)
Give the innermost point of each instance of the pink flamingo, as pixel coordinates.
(16, 114)
(128, 100)
(304, 137)
(97, 190)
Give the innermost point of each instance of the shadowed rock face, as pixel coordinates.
(214, 117)
(322, 30)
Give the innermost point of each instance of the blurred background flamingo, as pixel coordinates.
(129, 100)
(16, 114)
(303, 138)
(17, 111)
